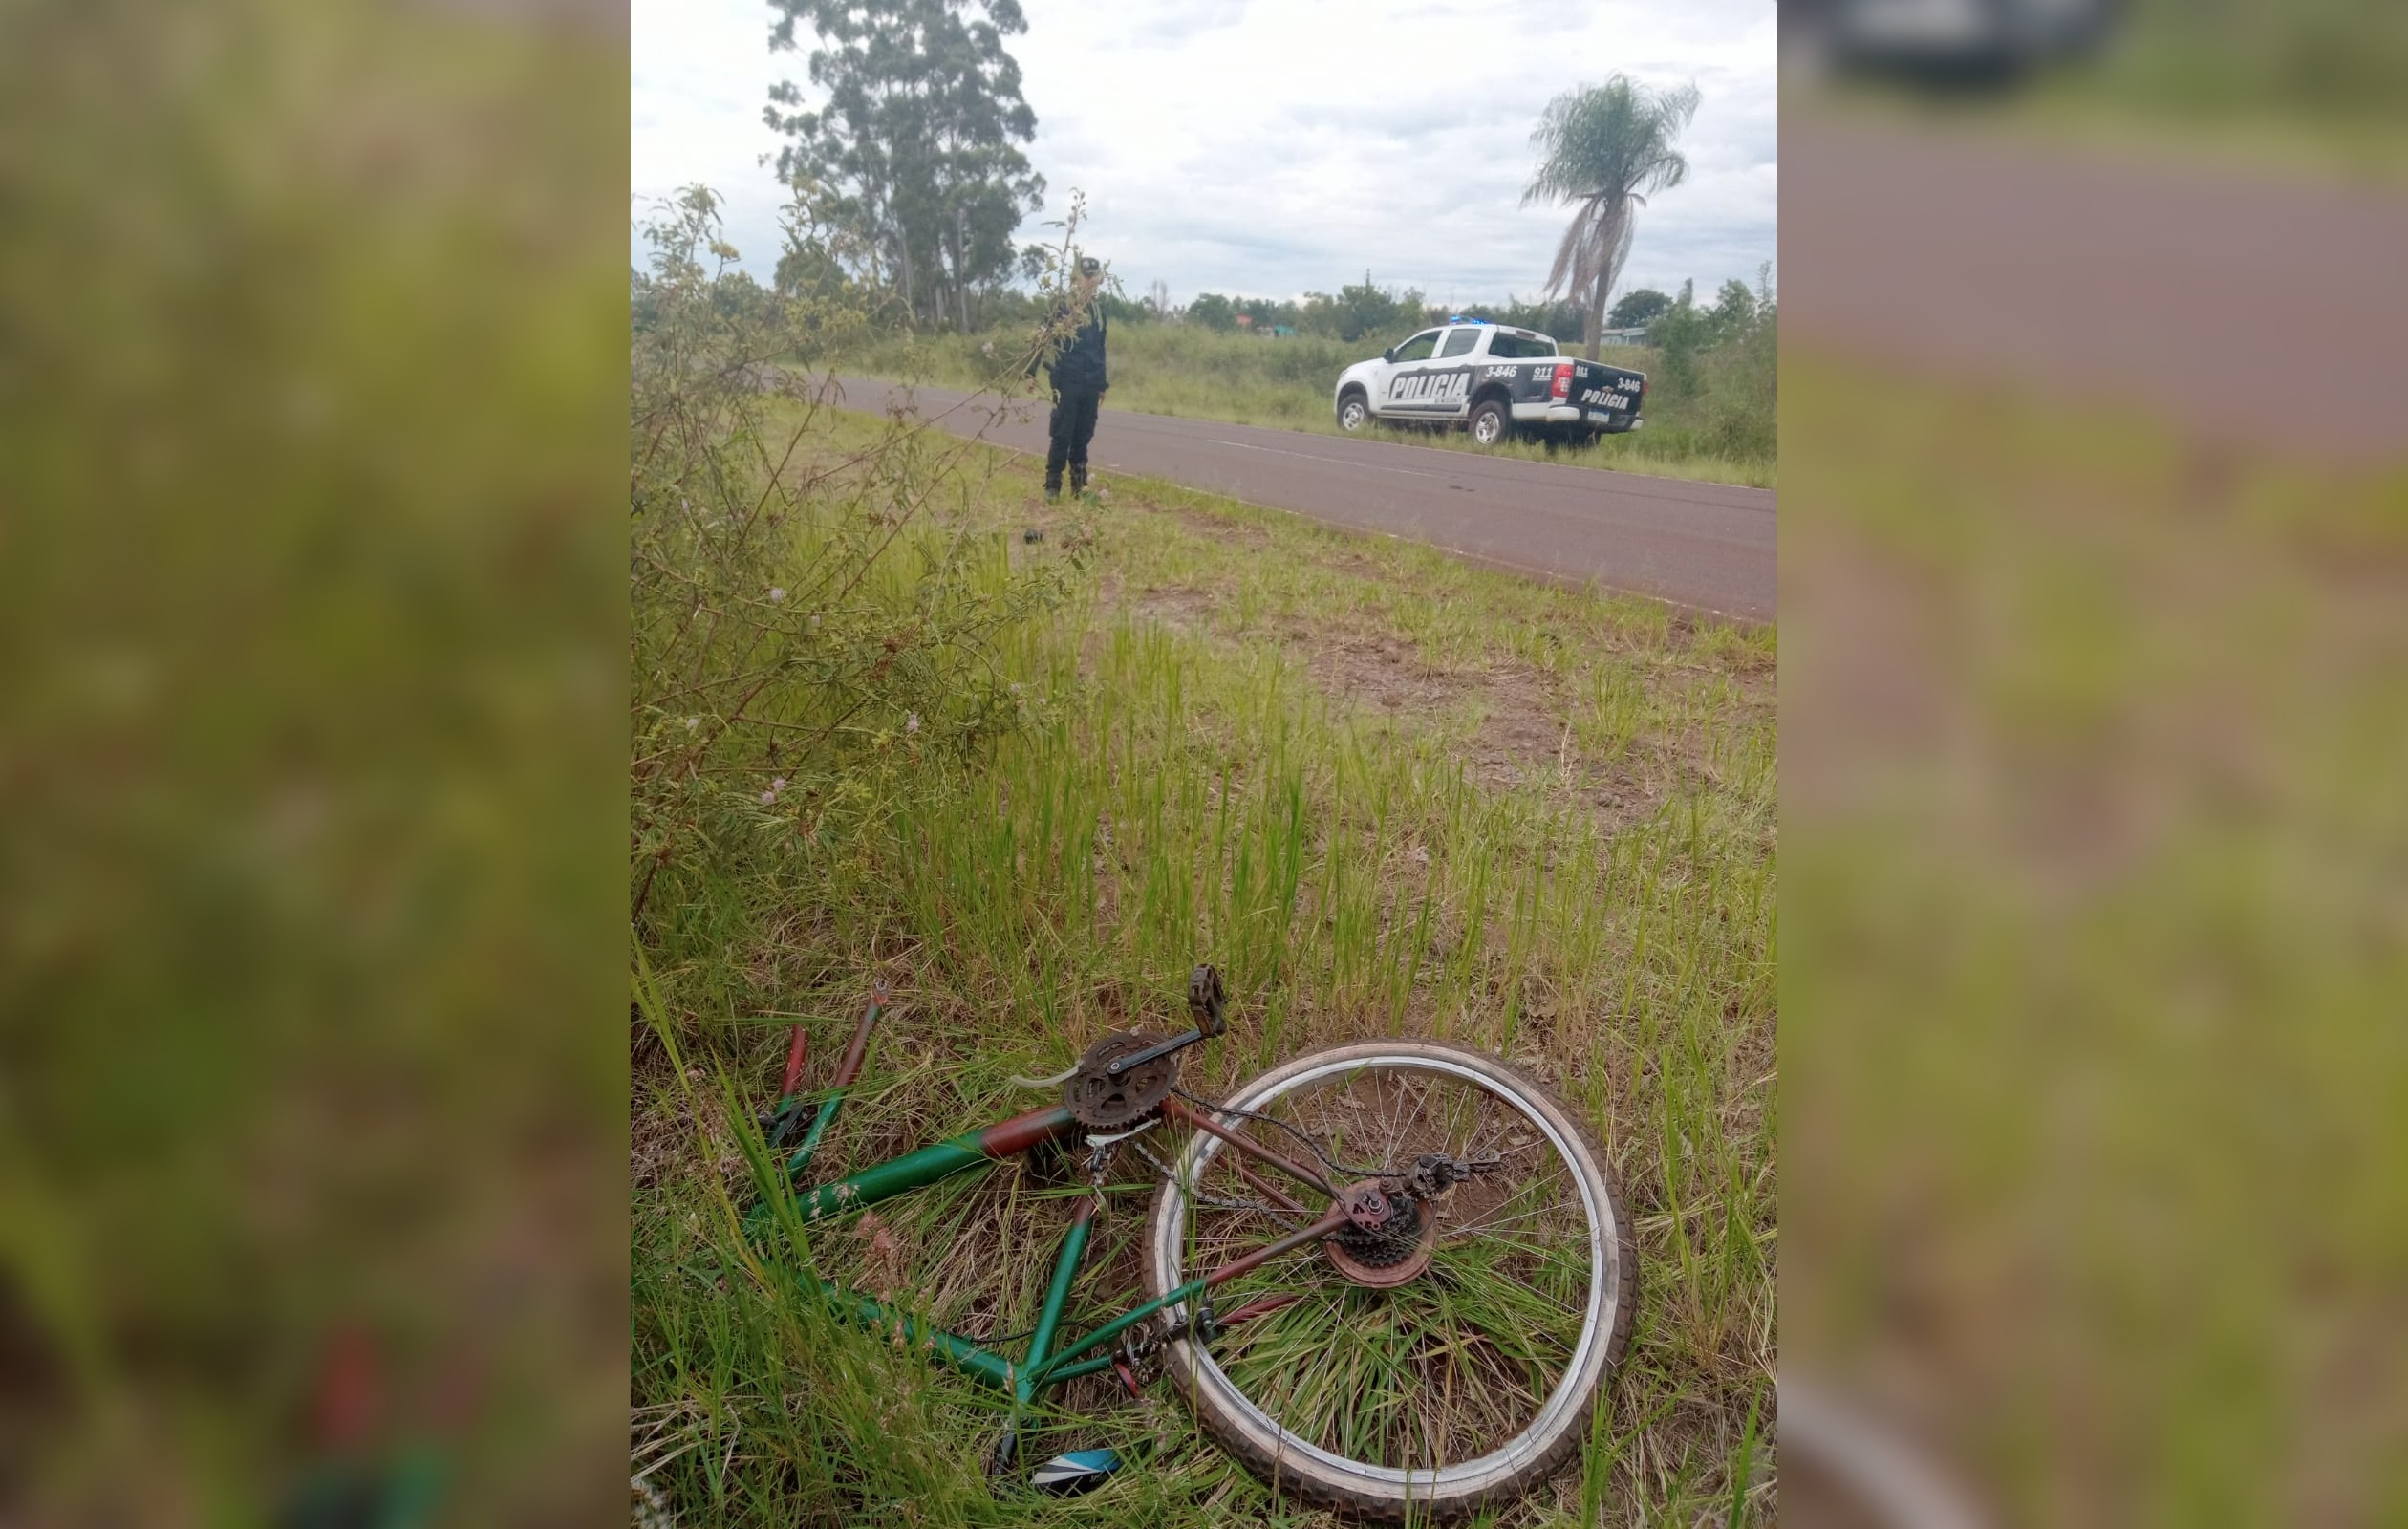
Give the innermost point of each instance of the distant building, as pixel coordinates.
(1635, 334)
(1245, 321)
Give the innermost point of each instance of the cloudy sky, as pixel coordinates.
(1274, 147)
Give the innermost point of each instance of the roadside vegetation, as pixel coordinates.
(881, 735)
(1711, 399)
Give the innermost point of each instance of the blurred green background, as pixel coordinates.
(2095, 1069)
(310, 1136)
(2305, 85)
(2094, 799)
(2306, 82)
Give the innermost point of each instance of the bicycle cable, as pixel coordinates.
(1218, 1201)
(1331, 1163)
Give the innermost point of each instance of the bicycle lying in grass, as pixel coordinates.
(1389, 1276)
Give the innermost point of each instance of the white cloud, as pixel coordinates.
(1269, 147)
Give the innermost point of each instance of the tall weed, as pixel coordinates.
(809, 642)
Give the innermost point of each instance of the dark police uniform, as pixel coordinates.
(1079, 380)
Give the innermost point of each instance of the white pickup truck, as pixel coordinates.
(1497, 381)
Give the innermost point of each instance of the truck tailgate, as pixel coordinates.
(1608, 389)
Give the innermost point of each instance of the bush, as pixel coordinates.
(1362, 311)
(807, 648)
(1213, 312)
(1560, 321)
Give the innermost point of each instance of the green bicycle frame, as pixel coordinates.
(1045, 1364)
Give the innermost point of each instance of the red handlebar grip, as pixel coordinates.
(850, 1066)
(795, 1054)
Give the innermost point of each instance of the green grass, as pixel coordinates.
(1387, 794)
(1286, 384)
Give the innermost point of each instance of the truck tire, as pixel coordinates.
(1354, 411)
(1492, 423)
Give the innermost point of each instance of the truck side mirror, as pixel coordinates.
(1388, 354)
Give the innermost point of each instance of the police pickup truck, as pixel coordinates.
(1497, 380)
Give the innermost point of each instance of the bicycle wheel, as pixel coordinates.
(1441, 1362)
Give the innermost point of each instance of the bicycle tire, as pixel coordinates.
(1290, 1462)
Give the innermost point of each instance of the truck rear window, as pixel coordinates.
(1513, 348)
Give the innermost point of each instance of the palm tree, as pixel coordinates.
(1605, 148)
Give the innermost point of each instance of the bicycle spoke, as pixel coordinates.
(1462, 1356)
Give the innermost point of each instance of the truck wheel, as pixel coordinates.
(1353, 413)
(1490, 424)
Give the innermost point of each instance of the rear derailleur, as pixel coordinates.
(1433, 1173)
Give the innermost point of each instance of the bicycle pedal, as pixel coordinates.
(1066, 1475)
(1075, 1472)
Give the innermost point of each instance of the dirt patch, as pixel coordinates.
(682, 1132)
(1516, 734)
(1382, 674)
(654, 1143)
(1184, 610)
(1226, 532)
(1519, 738)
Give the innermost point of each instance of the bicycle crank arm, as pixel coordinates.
(1207, 1001)
(1152, 1053)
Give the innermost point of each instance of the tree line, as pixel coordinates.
(1363, 311)
(1357, 313)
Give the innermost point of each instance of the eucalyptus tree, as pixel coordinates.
(914, 139)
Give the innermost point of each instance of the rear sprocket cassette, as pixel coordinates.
(1387, 1238)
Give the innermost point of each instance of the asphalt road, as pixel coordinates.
(1702, 547)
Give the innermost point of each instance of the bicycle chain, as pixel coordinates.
(1221, 1202)
(1432, 1174)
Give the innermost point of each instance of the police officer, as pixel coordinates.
(1079, 383)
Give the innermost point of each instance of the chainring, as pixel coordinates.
(1101, 1101)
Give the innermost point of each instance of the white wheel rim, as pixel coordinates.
(1353, 417)
(1488, 430)
(1570, 1393)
